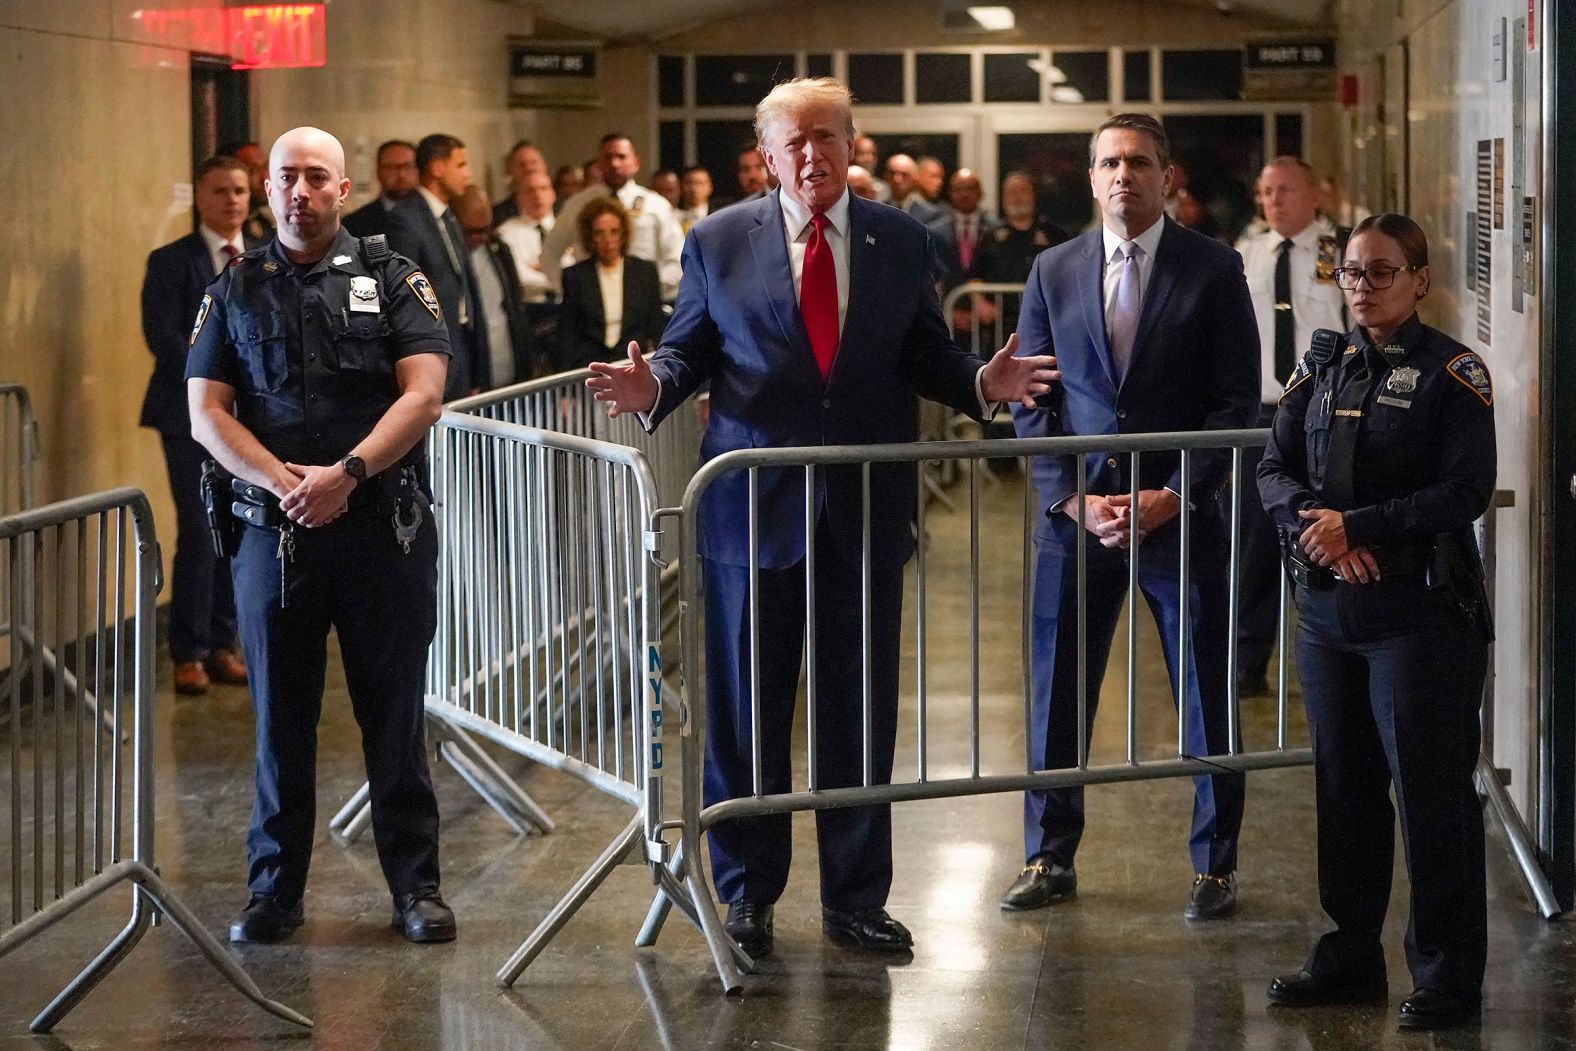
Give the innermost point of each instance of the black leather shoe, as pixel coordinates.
(1212, 897)
(423, 917)
(749, 924)
(1309, 990)
(266, 919)
(1432, 1009)
(1040, 884)
(869, 929)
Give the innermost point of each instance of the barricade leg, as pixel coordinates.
(662, 903)
(95, 972)
(570, 903)
(356, 812)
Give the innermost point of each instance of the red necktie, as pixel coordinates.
(229, 252)
(966, 244)
(818, 296)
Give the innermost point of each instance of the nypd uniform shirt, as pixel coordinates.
(310, 350)
(1316, 300)
(1425, 456)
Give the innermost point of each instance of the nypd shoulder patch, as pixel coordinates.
(1468, 370)
(1297, 377)
(423, 288)
(202, 315)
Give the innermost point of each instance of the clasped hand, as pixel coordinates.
(313, 496)
(1324, 541)
(1111, 518)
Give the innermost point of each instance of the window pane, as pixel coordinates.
(941, 145)
(876, 80)
(817, 65)
(942, 77)
(1191, 76)
(1135, 76)
(1085, 76)
(670, 144)
(670, 80)
(738, 80)
(718, 144)
(1012, 78)
(1288, 134)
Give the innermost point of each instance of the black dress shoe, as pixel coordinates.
(1212, 897)
(1040, 884)
(869, 929)
(266, 919)
(1304, 989)
(749, 924)
(1432, 1009)
(423, 917)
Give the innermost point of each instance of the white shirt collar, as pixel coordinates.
(1307, 237)
(1149, 240)
(796, 217)
(434, 204)
(215, 242)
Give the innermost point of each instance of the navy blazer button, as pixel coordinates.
(1111, 462)
(1121, 414)
(826, 403)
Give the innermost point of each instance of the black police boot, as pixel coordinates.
(870, 929)
(266, 919)
(423, 917)
(749, 924)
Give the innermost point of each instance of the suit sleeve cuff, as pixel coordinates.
(644, 418)
(1363, 526)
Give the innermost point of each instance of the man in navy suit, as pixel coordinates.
(813, 315)
(202, 604)
(1153, 330)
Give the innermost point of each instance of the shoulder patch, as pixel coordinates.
(202, 315)
(423, 288)
(1298, 376)
(1469, 370)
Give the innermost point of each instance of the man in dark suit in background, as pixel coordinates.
(397, 180)
(202, 603)
(813, 316)
(1153, 330)
(515, 358)
(430, 236)
(960, 228)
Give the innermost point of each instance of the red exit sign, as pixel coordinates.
(276, 36)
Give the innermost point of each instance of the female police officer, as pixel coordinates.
(1381, 458)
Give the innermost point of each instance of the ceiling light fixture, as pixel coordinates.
(993, 19)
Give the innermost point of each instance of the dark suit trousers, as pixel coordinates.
(1054, 818)
(750, 856)
(1392, 676)
(202, 600)
(1258, 592)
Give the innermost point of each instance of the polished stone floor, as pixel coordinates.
(1116, 968)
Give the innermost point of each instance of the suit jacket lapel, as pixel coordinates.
(863, 277)
(201, 262)
(769, 246)
(1162, 279)
(1091, 292)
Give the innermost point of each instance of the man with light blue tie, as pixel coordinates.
(1153, 330)
(813, 316)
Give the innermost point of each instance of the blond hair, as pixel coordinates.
(791, 97)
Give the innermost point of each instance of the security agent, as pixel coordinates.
(1382, 456)
(316, 368)
(1290, 268)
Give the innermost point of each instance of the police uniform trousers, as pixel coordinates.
(1259, 566)
(750, 856)
(202, 602)
(353, 576)
(1054, 818)
(1392, 676)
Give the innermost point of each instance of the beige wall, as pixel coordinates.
(94, 154)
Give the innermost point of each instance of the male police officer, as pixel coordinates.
(316, 368)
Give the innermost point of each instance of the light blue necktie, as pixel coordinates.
(1126, 308)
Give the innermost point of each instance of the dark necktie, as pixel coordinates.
(1285, 322)
(454, 241)
(1340, 486)
(818, 296)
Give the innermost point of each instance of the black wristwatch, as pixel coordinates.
(356, 467)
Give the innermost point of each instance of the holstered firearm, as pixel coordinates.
(1456, 567)
(223, 530)
(1301, 569)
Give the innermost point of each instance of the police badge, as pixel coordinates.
(1324, 268)
(1402, 380)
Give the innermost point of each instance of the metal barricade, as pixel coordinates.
(80, 801)
(18, 449)
(561, 405)
(1138, 762)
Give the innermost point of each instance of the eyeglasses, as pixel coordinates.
(1378, 277)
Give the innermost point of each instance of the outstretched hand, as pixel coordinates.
(626, 388)
(1009, 378)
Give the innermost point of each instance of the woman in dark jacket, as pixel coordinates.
(1381, 458)
(610, 298)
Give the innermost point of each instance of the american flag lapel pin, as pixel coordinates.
(869, 240)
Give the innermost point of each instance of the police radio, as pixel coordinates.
(1325, 347)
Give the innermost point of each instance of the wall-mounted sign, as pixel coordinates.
(276, 36)
(554, 73)
(1288, 68)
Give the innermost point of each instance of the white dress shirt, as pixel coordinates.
(610, 279)
(1315, 303)
(1149, 242)
(796, 225)
(525, 241)
(216, 245)
(500, 348)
